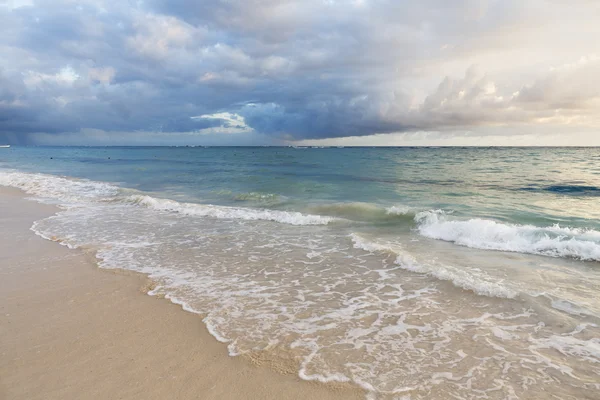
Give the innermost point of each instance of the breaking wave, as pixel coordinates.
(553, 241)
(360, 211)
(69, 191)
(224, 212)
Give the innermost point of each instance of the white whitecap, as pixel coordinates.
(554, 241)
(398, 210)
(224, 212)
(69, 191)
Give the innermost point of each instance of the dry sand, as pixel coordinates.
(69, 330)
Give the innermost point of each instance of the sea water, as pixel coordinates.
(415, 273)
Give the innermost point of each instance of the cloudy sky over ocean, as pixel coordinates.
(331, 72)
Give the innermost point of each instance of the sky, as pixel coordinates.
(309, 72)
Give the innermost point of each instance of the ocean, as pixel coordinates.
(414, 273)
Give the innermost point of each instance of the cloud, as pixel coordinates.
(102, 75)
(98, 137)
(497, 136)
(294, 70)
(565, 95)
(573, 86)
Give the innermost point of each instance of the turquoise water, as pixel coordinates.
(518, 185)
(422, 272)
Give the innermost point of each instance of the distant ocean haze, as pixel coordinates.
(435, 273)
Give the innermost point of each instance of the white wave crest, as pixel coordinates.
(69, 191)
(224, 212)
(398, 210)
(553, 241)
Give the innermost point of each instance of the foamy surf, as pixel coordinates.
(367, 212)
(224, 212)
(69, 191)
(553, 241)
(473, 280)
(61, 189)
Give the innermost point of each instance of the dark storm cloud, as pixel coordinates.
(289, 69)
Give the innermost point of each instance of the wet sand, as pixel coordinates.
(72, 331)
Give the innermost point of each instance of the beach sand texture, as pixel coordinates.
(71, 331)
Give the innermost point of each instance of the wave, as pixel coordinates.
(474, 281)
(69, 191)
(553, 241)
(257, 197)
(360, 211)
(224, 212)
(398, 210)
(63, 189)
(254, 197)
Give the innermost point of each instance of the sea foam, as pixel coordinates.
(61, 189)
(368, 212)
(473, 280)
(224, 212)
(69, 191)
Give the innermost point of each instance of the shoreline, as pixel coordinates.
(73, 330)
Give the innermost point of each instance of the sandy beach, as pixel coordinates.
(72, 331)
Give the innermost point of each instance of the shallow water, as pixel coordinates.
(414, 273)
